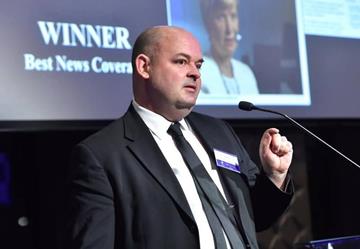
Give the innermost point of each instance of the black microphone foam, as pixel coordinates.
(246, 106)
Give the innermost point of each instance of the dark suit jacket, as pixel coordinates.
(123, 193)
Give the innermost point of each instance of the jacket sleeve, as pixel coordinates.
(268, 201)
(90, 209)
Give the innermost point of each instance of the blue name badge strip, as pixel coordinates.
(227, 161)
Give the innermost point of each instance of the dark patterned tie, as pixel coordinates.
(217, 211)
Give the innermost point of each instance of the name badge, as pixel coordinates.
(227, 161)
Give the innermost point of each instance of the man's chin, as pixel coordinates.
(186, 105)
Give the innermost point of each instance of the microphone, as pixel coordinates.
(247, 106)
(238, 37)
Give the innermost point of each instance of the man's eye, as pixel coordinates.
(181, 61)
(198, 66)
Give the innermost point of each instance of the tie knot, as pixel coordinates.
(174, 130)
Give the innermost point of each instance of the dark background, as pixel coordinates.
(39, 161)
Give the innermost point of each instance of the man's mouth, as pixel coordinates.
(191, 87)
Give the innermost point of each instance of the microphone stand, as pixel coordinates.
(253, 107)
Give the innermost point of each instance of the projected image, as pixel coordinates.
(260, 58)
(223, 74)
(331, 18)
(72, 61)
(69, 61)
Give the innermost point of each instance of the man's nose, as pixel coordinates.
(194, 72)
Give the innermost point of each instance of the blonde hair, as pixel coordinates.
(207, 7)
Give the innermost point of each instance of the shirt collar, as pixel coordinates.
(157, 124)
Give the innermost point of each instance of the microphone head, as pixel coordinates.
(246, 106)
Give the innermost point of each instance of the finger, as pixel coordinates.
(267, 136)
(265, 139)
(272, 131)
(288, 147)
(276, 143)
(285, 147)
(265, 142)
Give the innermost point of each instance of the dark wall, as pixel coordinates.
(333, 182)
(38, 162)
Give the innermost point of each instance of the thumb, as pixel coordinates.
(266, 140)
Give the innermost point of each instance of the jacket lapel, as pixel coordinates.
(149, 154)
(211, 140)
(233, 182)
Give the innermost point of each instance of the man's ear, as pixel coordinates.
(142, 63)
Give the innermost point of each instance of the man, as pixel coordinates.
(130, 186)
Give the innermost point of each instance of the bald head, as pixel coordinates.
(148, 42)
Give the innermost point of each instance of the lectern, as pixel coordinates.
(349, 242)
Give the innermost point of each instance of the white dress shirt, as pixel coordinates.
(158, 127)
